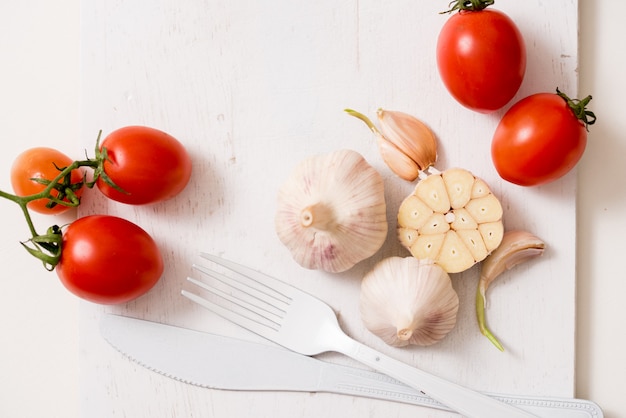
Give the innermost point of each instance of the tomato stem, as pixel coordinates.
(579, 107)
(47, 247)
(468, 5)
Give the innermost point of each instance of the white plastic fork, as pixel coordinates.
(302, 323)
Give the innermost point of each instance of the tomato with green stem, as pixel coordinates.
(34, 169)
(108, 260)
(100, 258)
(481, 56)
(146, 166)
(541, 138)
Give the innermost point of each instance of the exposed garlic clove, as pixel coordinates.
(406, 301)
(459, 184)
(331, 211)
(517, 246)
(406, 144)
(452, 218)
(416, 212)
(432, 190)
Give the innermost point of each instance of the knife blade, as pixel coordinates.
(219, 362)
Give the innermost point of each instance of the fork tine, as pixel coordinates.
(251, 287)
(241, 295)
(275, 286)
(255, 305)
(262, 328)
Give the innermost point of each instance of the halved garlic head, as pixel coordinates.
(452, 218)
(406, 144)
(406, 301)
(331, 211)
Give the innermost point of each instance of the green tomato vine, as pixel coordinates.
(468, 5)
(47, 247)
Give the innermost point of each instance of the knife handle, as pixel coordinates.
(462, 400)
(346, 380)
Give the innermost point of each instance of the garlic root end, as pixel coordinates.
(319, 215)
(405, 334)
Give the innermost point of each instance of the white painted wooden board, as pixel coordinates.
(251, 88)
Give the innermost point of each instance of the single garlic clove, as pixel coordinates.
(492, 233)
(451, 218)
(406, 144)
(397, 161)
(331, 211)
(485, 209)
(463, 220)
(459, 184)
(414, 212)
(406, 301)
(432, 190)
(454, 255)
(517, 246)
(480, 189)
(410, 135)
(473, 240)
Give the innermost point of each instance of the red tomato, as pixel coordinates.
(481, 59)
(147, 164)
(108, 260)
(42, 163)
(540, 138)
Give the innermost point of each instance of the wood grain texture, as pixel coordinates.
(251, 89)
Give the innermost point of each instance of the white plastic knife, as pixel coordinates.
(219, 362)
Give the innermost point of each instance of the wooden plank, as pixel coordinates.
(253, 88)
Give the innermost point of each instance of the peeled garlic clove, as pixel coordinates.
(406, 301)
(406, 144)
(516, 247)
(451, 218)
(459, 184)
(331, 211)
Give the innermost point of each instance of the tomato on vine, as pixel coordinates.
(108, 260)
(34, 169)
(541, 138)
(143, 165)
(481, 56)
(100, 258)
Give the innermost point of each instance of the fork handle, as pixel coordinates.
(466, 402)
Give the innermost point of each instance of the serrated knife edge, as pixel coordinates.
(147, 344)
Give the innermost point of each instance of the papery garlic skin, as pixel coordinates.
(517, 246)
(405, 143)
(331, 211)
(406, 301)
(410, 135)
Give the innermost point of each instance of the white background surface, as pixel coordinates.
(39, 43)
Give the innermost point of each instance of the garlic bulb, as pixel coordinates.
(406, 301)
(406, 144)
(331, 211)
(451, 218)
(517, 247)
